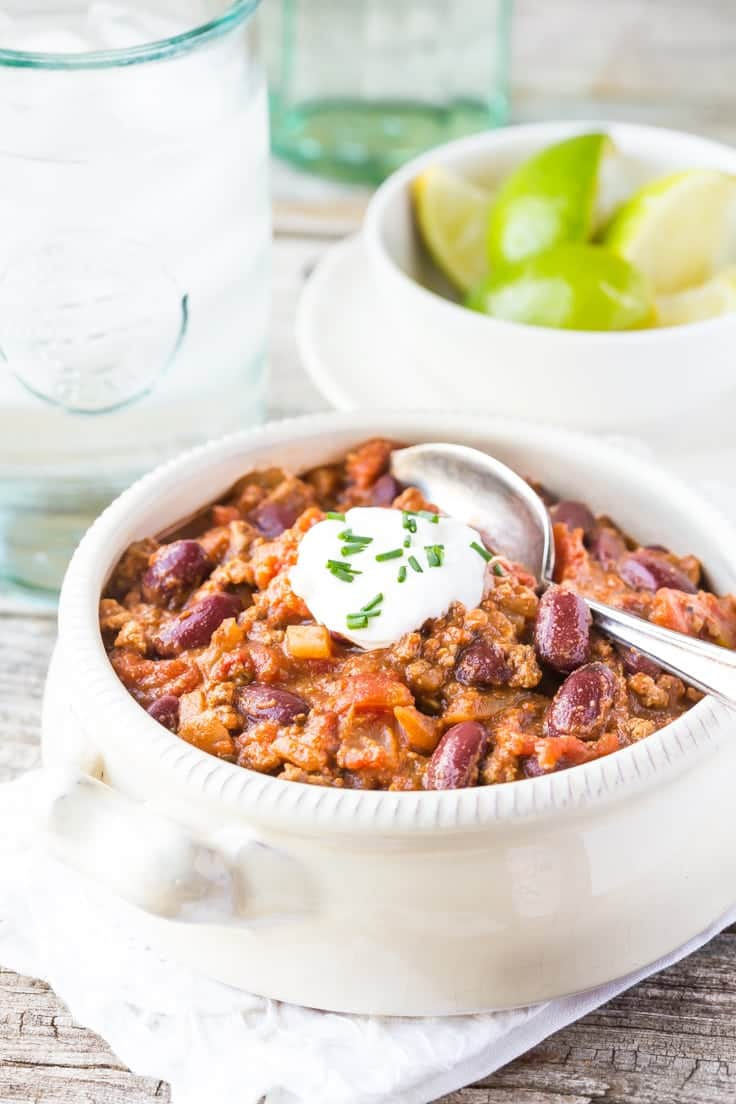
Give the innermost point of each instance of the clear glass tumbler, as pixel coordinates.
(359, 86)
(134, 253)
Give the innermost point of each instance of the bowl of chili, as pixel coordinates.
(390, 893)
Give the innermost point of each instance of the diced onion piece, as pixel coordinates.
(422, 732)
(308, 642)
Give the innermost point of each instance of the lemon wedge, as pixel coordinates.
(674, 229)
(709, 300)
(452, 216)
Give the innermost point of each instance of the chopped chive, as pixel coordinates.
(353, 538)
(334, 564)
(481, 551)
(402, 574)
(342, 571)
(352, 549)
(409, 522)
(334, 516)
(435, 554)
(428, 515)
(372, 605)
(407, 542)
(415, 564)
(498, 570)
(360, 620)
(394, 554)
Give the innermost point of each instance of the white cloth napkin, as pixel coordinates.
(219, 1044)
(224, 1046)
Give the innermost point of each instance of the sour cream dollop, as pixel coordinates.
(380, 573)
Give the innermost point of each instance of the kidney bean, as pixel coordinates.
(637, 575)
(454, 763)
(583, 703)
(178, 568)
(532, 769)
(575, 515)
(272, 518)
(634, 663)
(195, 629)
(562, 630)
(165, 710)
(482, 663)
(385, 490)
(647, 569)
(259, 702)
(607, 546)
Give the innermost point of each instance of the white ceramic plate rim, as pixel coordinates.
(306, 314)
(457, 151)
(97, 694)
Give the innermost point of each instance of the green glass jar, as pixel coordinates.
(360, 86)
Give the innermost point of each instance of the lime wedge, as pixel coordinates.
(571, 287)
(548, 200)
(452, 216)
(674, 229)
(709, 300)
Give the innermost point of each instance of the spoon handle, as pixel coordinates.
(709, 667)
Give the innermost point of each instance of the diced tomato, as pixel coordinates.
(367, 462)
(702, 615)
(551, 751)
(373, 691)
(223, 515)
(148, 679)
(570, 553)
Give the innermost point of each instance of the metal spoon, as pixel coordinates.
(486, 494)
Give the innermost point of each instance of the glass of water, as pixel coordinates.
(134, 253)
(360, 86)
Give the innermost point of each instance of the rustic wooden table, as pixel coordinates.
(670, 1040)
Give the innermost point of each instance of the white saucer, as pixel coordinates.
(346, 345)
(345, 342)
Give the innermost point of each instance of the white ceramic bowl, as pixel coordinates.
(644, 380)
(395, 903)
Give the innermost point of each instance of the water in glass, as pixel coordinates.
(134, 223)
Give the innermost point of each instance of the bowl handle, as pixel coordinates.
(155, 863)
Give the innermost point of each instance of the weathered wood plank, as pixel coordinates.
(672, 1040)
(25, 649)
(46, 1058)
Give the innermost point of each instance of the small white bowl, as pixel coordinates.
(633, 381)
(392, 903)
